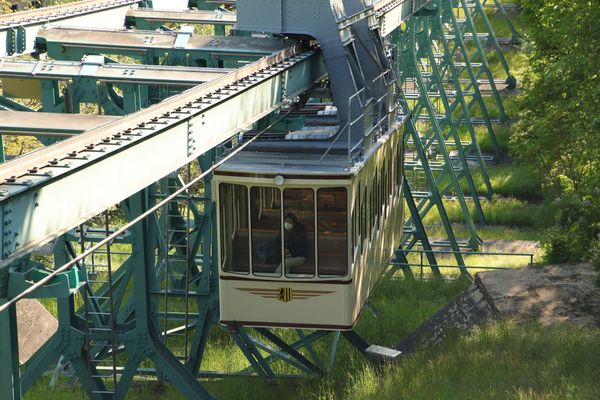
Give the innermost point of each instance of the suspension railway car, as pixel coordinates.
(349, 221)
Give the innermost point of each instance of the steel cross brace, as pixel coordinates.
(475, 9)
(498, 6)
(424, 43)
(434, 198)
(459, 33)
(418, 235)
(491, 36)
(410, 69)
(446, 65)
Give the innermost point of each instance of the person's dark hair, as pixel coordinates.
(291, 216)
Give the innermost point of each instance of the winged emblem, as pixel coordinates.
(285, 294)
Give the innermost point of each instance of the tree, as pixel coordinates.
(558, 128)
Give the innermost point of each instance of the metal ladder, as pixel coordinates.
(100, 319)
(177, 263)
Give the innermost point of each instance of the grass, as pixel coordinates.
(501, 361)
(508, 180)
(499, 211)
(401, 306)
(496, 232)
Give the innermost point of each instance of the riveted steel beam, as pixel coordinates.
(18, 30)
(152, 47)
(96, 68)
(49, 124)
(147, 18)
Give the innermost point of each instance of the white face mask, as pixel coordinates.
(287, 226)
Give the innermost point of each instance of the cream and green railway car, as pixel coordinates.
(303, 239)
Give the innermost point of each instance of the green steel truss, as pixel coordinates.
(444, 101)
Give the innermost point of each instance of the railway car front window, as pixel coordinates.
(299, 232)
(265, 213)
(235, 247)
(332, 232)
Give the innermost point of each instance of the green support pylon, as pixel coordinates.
(433, 199)
(516, 37)
(10, 378)
(468, 27)
(447, 16)
(409, 67)
(414, 229)
(492, 40)
(423, 40)
(446, 66)
(144, 341)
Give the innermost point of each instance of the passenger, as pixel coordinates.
(294, 245)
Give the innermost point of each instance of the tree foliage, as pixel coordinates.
(558, 127)
(559, 124)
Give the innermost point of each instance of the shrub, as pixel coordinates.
(574, 237)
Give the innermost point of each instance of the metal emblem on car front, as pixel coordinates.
(285, 294)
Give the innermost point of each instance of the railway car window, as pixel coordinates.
(299, 232)
(265, 217)
(399, 170)
(363, 221)
(383, 202)
(378, 199)
(373, 208)
(332, 245)
(235, 249)
(390, 188)
(356, 219)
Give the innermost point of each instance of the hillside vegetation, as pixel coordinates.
(558, 124)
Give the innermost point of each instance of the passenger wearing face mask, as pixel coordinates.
(294, 243)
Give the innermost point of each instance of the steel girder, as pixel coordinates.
(150, 19)
(64, 86)
(50, 124)
(18, 31)
(181, 48)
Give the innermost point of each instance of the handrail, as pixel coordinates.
(422, 264)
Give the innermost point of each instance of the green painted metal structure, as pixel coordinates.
(150, 292)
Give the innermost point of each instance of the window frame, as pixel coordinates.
(222, 232)
(251, 235)
(315, 240)
(317, 235)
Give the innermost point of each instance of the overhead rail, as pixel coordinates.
(149, 18)
(18, 30)
(176, 131)
(155, 47)
(96, 67)
(50, 124)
